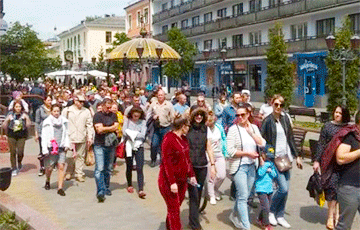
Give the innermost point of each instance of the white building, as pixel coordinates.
(87, 39)
(241, 28)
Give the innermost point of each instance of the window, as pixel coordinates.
(129, 22)
(222, 43)
(221, 13)
(255, 5)
(184, 24)
(172, 3)
(255, 77)
(164, 6)
(272, 3)
(325, 27)
(173, 25)
(165, 29)
(108, 37)
(298, 31)
(207, 44)
(355, 23)
(237, 40)
(195, 21)
(238, 9)
(208, 17)
(255, 38)
(146, 15)
(139, 19)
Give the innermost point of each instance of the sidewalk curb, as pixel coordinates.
(25, 213)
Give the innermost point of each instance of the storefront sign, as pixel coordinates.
(226, 67)
(308, 66)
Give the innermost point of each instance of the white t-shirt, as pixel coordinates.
(214, 136)
(266, 110)
(282, 147)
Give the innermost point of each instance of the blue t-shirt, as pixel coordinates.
(264, 181)
(180, 108)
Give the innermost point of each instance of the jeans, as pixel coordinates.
(349, 202)
(139, 158)
(244, 180)
(194, 197)
(279, 199)
(156, 140)
(16, 146)
(103, 165)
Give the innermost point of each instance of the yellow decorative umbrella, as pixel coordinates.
(148, 48)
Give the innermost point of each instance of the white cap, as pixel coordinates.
(245, 91)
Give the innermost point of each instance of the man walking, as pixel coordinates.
(80, 133)
(162, 112)
(229, 113)
(181, 106)
(105, 124)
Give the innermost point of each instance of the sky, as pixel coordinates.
(45, 15)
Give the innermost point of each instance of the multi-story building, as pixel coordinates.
(239, 28)
(89, 38)
(138, 15)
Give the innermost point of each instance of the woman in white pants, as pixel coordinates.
(217, 137)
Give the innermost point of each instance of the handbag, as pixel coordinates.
(283, 163)
(111, 140)
(90, 157)
(120, 150)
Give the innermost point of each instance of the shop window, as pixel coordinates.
(195, 78)
(255, 77)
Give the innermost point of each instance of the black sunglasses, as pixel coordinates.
(279, 104)
(241, 114)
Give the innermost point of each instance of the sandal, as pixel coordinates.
(130, 189)
(142, 194)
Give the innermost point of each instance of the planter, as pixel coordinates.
(5, 178)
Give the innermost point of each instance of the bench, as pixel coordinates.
(299, 137)
(313, 148)
(299, 111)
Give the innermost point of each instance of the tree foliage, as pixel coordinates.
(91, 18)
(23, 54)
(279, 78)
(120, 38)
(100, 64)
(178, 41)
(334, 79)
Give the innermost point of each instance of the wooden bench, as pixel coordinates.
(313, 148)
(299, 137)
(300, 111)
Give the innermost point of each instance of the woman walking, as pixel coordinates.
(16, 125)
(134, 131)
(277, 131)
(55, 142)
(200, 149)
(217, 137)
(341, 117)
(242, 141)
(175, 171)
(41, 114)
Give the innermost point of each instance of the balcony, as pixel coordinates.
(306, 45)
(281, 10)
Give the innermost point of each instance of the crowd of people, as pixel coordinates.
(193, 141)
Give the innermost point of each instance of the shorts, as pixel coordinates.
(52, 160)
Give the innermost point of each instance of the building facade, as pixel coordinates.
(239, 29)
(89, 38)
(138, 15)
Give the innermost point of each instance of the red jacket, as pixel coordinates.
(175, 165)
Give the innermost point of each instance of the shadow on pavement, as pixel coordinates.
(224, 217)
(89, 173)
(28, 167)
(313, 214)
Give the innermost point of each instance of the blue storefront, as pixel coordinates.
(312, 74)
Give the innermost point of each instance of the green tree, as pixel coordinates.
(117, 66)
(23, 54)
(279, 78)
(91, 18)
(100, 64)
(120, 38)
(334, 79)
(178, 41)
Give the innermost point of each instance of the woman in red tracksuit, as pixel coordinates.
(175, 170)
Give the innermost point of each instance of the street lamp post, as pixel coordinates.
(125, 63)
(159, 51)
(343, 55)
(80, 61)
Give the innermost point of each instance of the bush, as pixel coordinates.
(8, 222)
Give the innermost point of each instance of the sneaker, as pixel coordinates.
(281, 221)
(272, 219)
(212, 200)
(235, 220)
(80, 179)
(130, 189)
(68, 176)
(15, 172)
(142, 194)
(218, 198)
(61, 192)
(108, 192)
(152, 164)
(252, 204)
(41, 172)
(101, 198)
(47, 185)
(20, 167)
(269, 227)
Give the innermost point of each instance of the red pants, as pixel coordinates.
(173, 202)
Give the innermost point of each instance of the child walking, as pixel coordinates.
(264, 188)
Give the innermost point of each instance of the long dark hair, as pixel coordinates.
(136, 109)
(345, 113)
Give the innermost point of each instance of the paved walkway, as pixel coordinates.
(79, 208)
